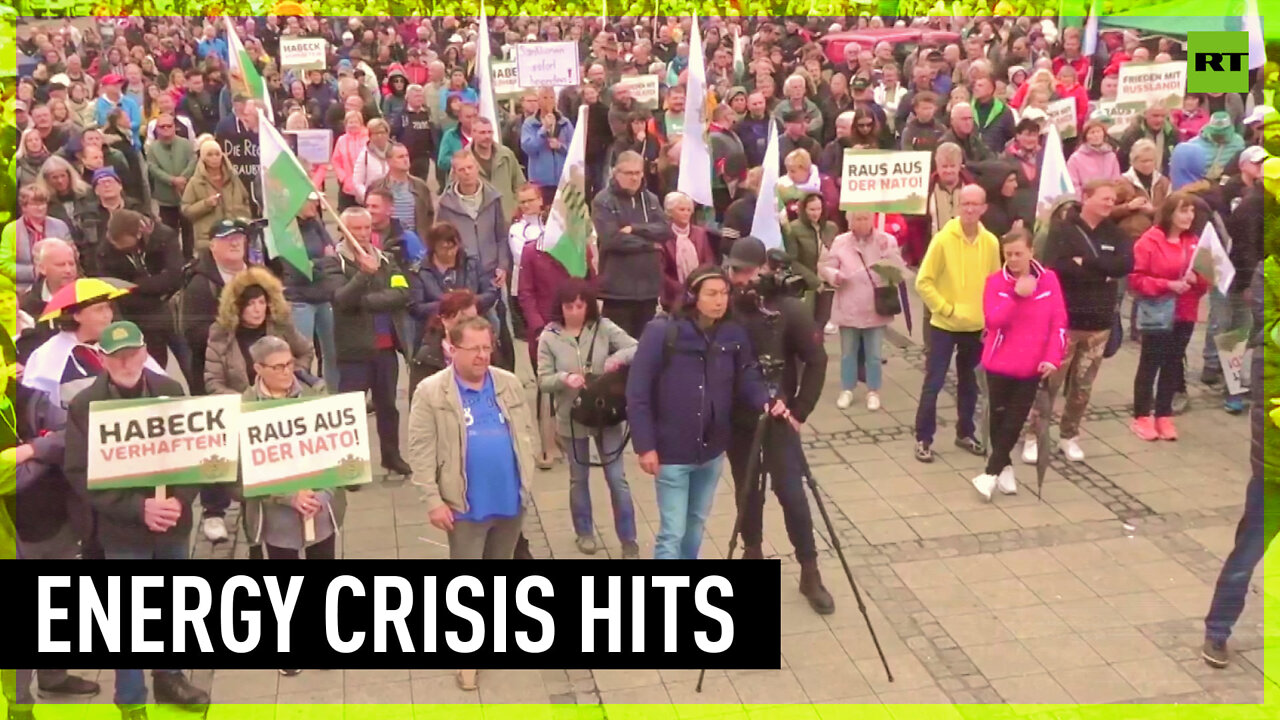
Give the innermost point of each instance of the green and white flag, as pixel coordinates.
(569, 229)
(1055, 181)
(242, 74)
(286, 188)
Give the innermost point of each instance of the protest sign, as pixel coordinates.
(1235, 357)
(310, 444)
(1062, 113)
(644, 88)
(1122, 115)
(150, 442)
(314, 146)
(506, 84)
(1152, 84)
(885, 181)
(548, 64)
(304, 53)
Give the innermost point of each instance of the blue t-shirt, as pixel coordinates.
(493, 475)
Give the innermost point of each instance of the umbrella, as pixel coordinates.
(984, 390)
(906, 306)
(82, 291)
(1042, 437)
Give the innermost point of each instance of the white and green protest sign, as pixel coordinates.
(310, 444)
(1062, 113)
(1235, 356)
(885, 181)
(548, 64)
(1122, 115)
(506, 83)
(151, 442)
(1152, 84)
(644, 88)
(304, 53)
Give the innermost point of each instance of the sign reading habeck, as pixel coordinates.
(303, 53)
(548, 64)
(163, 441)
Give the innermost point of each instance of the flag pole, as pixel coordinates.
(346, 232)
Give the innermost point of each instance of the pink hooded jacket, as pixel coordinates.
(1023, 332)
(345, 152)
(1088, 163)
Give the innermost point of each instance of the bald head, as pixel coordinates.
(973, 203)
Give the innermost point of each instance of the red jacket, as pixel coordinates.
(1156, 262)
(1081, 65)
(1081, 95)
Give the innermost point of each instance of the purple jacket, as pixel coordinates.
(1023, 332)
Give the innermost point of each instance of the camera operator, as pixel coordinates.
(767, 302)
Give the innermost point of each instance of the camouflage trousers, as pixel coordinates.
(1079, 369)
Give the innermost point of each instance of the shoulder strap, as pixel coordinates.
(591, 350)
(670, 332)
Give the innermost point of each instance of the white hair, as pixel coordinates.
(42, 248)
(675, 199)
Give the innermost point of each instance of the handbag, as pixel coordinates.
(885, 298)
(602, 401)
(1156, 314)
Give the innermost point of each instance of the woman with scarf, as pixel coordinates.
(1094, 159)
(214, 192)
(252, 306)
(81, 105)
(684, 252)
(371, 164)
(32, 226)
(69, 195)
(31, 155)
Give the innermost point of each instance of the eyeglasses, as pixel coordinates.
(478, 349)
(279, 367)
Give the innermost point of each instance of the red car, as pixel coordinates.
(834, 43)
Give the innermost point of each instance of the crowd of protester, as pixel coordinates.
(136, 161)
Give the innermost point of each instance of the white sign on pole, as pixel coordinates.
(885, 181)
(548, 64)
(150, 442)
(506, 83)
(1062, 113)
(644, 89)
(321, 442)
(313, 146)
(1122, 116)
(1153, 83)
(303, 53)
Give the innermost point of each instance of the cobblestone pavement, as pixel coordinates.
(1092, 594)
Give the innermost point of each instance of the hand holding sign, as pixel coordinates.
(161, 515)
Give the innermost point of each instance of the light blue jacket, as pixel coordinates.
(545, 164)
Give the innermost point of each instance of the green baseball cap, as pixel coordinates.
(120, 336)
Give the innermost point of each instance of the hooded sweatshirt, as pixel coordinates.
(953, 275)
(1023, 332)
(1203, 158)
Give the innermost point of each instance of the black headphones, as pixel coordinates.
(694, 281)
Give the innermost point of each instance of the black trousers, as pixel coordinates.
(173, 217)
(1161, 366)
(630, 315)
(782, 461)
(378, 373)
(324, 550)
(1011, 400)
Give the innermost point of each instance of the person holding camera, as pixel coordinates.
(784, 337)
(575, 348)
(687, 372)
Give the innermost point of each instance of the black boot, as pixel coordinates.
(811, 587)
(396, 465)
(71, 686)
(522, 549)
(752, 552)
(176, 689)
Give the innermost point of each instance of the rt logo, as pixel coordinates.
(1219, 61)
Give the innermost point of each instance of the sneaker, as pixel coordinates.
(1210, 376)
(830, 329)
(1215, 654)
(845, 400)
(1166, 429)
(1030, 451)
(290, 673)
(214, 529)
(1233, 405)
(984, 484)
(873, 401)
(1180, 403)
(924, 453)
(544, 462)
(71, 686)
(1006, 482)
(1145, 428)
(630, 551)
(173, 688)
(972, 445)
(587, 544)
(1071, 448)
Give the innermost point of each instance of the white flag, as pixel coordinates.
(1091, 28)
(1055, 181)
(765, 224)
(1253, 23)
(695, 159)
(483, 52)
(1212, 261)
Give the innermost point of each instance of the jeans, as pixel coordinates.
(1226, 312)
(967, 347)
(379, 373)
(131, 685)
(1011, 400)
(1161, 365)
(783, 461)
(609, 443)
(869, 340)
(1257, 528)
(315, 322)
(685, 493)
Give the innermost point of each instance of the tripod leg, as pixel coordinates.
(848, 573)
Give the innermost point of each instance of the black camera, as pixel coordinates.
(780, 280)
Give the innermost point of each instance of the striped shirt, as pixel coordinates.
(403, 204)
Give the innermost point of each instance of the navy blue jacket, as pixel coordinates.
(684, 410)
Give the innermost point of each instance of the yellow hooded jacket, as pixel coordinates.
(953, 275)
